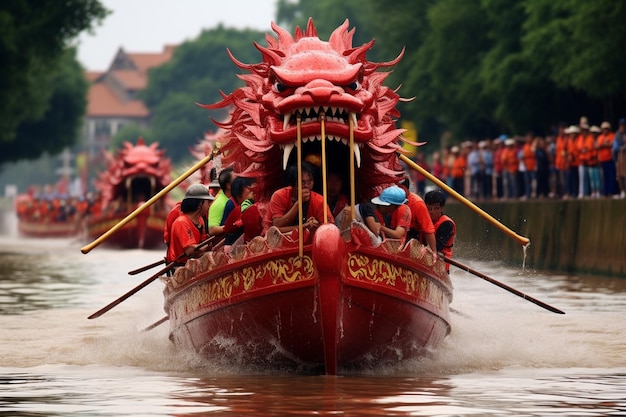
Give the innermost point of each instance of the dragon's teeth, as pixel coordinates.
(286, 152)
(353, 118)
(357, 154)
(286, 121)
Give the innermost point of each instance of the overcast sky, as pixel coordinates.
(149, 25)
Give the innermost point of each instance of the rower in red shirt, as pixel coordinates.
(188, 229)
(393, 213)
(283, 207)
(421, 228)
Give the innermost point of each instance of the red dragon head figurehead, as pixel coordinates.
(304, 78)
(135, 172)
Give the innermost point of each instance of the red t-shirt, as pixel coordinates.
(529, 158)
(280, 203)
(171, 216)
(420, 219)
(182, 235)
(400, 217)
(605, 145)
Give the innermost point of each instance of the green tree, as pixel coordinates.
(580, 45)
(444, 71)
(129, 133)
(199, 70)
(41, 91)
(59, 125)
(328, 15)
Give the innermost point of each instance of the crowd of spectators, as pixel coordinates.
(578, 161)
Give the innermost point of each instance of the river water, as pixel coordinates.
(504, 357)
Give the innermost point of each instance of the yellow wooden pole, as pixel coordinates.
(352, 176)
(300, 209)
(324, 192)
(154, 199)
(521, 239)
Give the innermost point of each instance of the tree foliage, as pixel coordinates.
(199, 70)
(42, 88)
(478, 68)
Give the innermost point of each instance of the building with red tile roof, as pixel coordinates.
(113, 96)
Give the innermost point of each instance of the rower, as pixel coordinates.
(188, 229)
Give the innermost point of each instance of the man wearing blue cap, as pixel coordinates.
(392, 212)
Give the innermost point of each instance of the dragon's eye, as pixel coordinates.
(354, 86)
(279, 87)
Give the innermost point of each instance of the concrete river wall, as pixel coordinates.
(569, 236)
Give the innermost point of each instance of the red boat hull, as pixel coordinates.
(337, 309)
(143, 232)
(47, 229)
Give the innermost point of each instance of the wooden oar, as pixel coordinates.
(154, 199)
(145, 283)
(145, 268)
(521, 239)
(501, 285)
(156, 323)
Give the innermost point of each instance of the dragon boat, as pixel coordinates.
(48, 216)
(133, 174)
(48, 229)
(333, 301)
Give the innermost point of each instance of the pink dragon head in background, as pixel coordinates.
(141, 170)
(304, 77)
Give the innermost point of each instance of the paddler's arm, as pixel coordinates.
(431, 240)
(396, 233)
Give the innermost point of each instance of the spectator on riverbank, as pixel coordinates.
(593, 165)
(529, 164)
(476, 168)
(459, 165)
(584, 143)
(498, 167)
(619, 147)
(510, 164)
(486, 155)
(573, 157)
(417, 177)
(561, 164)
(605, 158)
(542, 159)
(437, 167)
